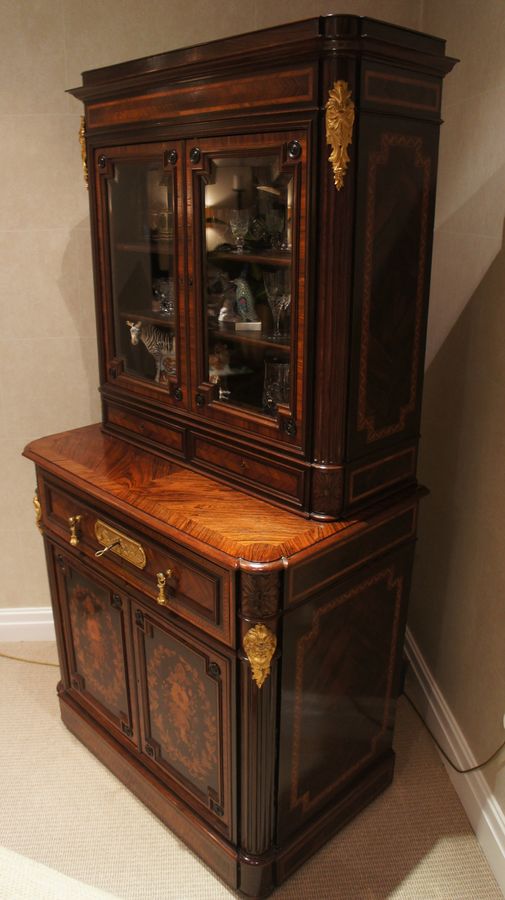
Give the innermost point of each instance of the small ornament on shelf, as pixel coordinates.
(246, 309)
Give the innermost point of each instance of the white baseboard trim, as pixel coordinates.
(486, 816)
(27, 623)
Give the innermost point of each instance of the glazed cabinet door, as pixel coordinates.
(140, 259)
(96, 633)
(186, 697)
(247, 203)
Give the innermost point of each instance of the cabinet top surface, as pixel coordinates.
(176, 501)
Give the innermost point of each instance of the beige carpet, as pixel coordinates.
(64, 817)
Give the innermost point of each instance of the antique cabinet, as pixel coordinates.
(230, 549)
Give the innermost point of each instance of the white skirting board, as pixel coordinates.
(26, 623)
(486, 816)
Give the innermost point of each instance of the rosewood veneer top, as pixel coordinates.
(168, 497)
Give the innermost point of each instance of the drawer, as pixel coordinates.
(196, 589)
(260, 475)
(164, 436)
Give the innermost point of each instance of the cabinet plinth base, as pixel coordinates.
(252, 876)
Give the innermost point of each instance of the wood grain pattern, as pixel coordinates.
(268, 89)
(176, 501)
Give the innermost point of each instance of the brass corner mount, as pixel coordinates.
(82, 141)
(259, 646)
(339, 125)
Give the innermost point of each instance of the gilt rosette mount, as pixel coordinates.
(339, 125)
(259, 646)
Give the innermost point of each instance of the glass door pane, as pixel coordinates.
(248, 208)
(141, 211)
(248, 280)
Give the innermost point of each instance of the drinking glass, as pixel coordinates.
(239, 224)
(275, 384)
(278, 295)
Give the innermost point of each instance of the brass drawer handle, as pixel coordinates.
(112, 539)
(74, 523)
(38, 510)
(161, 580)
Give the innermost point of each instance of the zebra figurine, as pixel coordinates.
(158, 343)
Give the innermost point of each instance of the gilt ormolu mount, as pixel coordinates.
(262, 214)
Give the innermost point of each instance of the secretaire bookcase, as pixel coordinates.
(229, 550)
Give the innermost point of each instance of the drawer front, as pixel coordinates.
(196, 589)
(186, 701)
(248, 471)
(165, 437)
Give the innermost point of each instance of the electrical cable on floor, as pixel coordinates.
(442, 751)
(33, 662)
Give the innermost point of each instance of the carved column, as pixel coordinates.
(259, 617)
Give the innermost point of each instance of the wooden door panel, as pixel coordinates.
(186, 695)
(97, 637)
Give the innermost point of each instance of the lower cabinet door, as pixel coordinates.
(95, 619)
(186, 698)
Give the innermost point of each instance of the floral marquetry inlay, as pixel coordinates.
(98, 647)
(182, 713)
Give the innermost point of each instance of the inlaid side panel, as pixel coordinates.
(341, 655)
(185, 718)
(394, 225)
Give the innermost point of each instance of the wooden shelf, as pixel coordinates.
(150, 317)
(253, 338)
(268, 259)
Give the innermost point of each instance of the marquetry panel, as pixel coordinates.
(367, 479)
(341, 655)
(185, 720)
(95, 618)
(395, 216)
(265, 89)
(396, 90)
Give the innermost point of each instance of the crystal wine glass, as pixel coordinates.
(239, 224)
(279, 298)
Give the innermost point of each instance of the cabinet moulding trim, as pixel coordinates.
(26, 623)
(484, 812)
